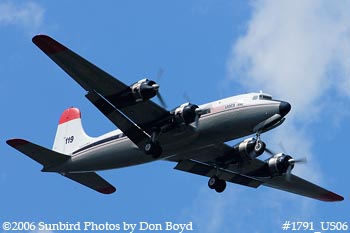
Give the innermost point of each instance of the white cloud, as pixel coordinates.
(292, 49)
(298, 51)
(29, 15)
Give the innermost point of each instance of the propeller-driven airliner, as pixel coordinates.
(192, 136)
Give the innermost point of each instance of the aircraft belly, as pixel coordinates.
(178, 138)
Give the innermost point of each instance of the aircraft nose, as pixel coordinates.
(284, 108)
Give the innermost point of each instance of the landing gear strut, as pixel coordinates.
(152, 147)
(217, 184)
(260, 146)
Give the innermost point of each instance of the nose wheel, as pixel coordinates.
(217, 184)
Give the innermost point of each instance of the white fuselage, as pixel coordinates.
(221, 121)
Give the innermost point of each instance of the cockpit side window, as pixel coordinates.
(255, 97)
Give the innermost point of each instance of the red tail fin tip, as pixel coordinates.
(69, 114)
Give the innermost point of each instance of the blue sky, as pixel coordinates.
(297, 51)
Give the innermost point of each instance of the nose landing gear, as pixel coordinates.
(260, 146)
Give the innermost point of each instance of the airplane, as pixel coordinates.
(192, 136)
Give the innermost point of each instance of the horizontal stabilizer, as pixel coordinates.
(40, 154)
(49, 158)
(93, 181)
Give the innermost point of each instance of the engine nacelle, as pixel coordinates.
(144, 89)
(279, 163)
(250, 148)
(185, 113)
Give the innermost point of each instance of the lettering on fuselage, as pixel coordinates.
(232, 105)
(228, 106)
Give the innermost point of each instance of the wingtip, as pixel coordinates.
(47, 44)
(16, 142)
(107, 190)
(37, 37)
(331, 197)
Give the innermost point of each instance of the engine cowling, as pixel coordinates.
(144, 89)
(185, 113)
(250, 148)
(279, 163)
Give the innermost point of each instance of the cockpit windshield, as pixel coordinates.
(265, 97)
(262, 97)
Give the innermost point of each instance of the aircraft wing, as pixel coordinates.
(302, 187)
(207, 162)
(208, 170)
(92, 78)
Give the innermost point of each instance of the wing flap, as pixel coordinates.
(92, 180)
(203, 169)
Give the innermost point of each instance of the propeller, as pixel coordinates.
(272, 153)
(161, 100)
(156, 88)
(291, 161)
(197, 111)
(291, 165)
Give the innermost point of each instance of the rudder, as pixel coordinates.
(70, 134)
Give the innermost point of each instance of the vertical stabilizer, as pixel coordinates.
(70, 134)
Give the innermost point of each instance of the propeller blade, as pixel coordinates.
(196, 121)
(290, 167)
(289, 172)
(301, 160)
(159, 74)
(272, 153)
(161, 100)
(186, 97)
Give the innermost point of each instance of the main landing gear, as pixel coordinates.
(152, 147)
(217, 184)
